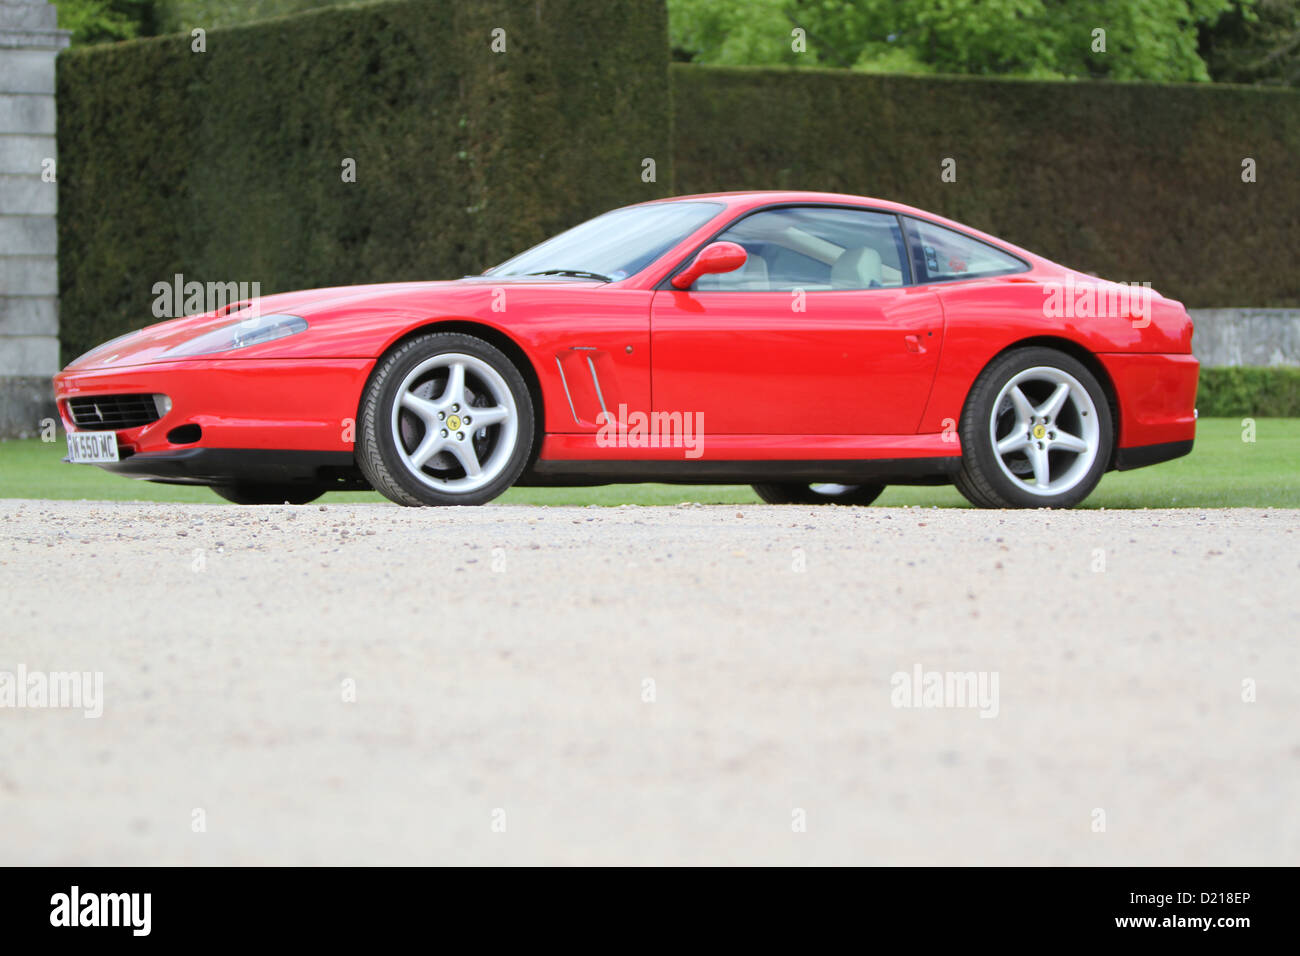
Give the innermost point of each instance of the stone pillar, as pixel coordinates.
(29, 276)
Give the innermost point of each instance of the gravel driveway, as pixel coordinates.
(510, 684)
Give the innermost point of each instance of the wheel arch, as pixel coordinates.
(494, 336)
(1084, 357)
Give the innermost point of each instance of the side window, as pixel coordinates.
(814, 248)
(942, 255)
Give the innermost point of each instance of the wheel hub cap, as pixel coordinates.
(1045, 431)
(455, 422)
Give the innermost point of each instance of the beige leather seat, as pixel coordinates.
(857, 268)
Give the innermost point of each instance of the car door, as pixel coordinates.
(821, 332)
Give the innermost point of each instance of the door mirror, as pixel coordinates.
(713, 258)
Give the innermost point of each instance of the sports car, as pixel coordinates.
(817, 346)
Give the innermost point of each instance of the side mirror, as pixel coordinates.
(713, 258)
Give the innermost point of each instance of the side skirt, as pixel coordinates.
(609, 471)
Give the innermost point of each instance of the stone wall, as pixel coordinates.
(1265, 337)
(29, 281)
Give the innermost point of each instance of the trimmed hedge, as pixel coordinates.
(1135, 182)
(1255, 392)
(178, 16)
(226, 165)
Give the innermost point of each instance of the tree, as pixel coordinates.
(104, 21)
(1143, 39)
(107, 21)
(183, 15)
(1255, 43)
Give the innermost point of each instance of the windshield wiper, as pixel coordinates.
(575, 273)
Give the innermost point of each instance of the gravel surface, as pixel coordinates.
(509, 684)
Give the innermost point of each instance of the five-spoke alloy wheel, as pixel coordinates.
(1036, 432)
(446, 420)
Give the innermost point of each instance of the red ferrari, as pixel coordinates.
(818, 346)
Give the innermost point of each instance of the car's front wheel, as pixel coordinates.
(1036, 432)
(445, 420)
(818, 494)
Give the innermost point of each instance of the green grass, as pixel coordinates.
(1222, 472)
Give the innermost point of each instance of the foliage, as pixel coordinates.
(1144, 39)
(1255, 42)
(179, 16)
(1251, 391)
(103, 21)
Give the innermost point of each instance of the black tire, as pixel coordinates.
(246, 493)
(796, 494)
(389, 469)
(982, 478)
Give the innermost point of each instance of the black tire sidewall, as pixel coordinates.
(979, 459)
(396, 367)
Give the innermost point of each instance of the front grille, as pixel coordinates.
(112, 412)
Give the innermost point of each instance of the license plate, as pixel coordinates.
(86, 448)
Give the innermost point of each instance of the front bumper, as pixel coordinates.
(223, 466)
(249, 404)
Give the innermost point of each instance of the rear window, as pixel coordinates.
(945, 255)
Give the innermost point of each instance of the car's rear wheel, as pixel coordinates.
(249, 493)
(445, 420)
(818, 494)
(1036, 432)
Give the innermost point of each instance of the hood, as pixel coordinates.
(154, 343)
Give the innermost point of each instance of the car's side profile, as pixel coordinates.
(818, 346)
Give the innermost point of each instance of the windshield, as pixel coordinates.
(613, 246)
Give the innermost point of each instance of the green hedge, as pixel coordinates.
(1247, 391)
(1135, 182)
(226, 165)
(180, 15)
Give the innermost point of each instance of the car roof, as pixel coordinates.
(761, 197)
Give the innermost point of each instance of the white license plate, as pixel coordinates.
(86, 448)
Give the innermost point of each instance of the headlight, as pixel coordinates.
(255, 331)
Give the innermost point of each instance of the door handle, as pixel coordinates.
(913, 343)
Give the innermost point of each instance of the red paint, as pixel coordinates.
(713, 258)
(877, 373)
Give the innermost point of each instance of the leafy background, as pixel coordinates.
(1232, 41)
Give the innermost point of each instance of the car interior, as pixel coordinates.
(814, 250)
